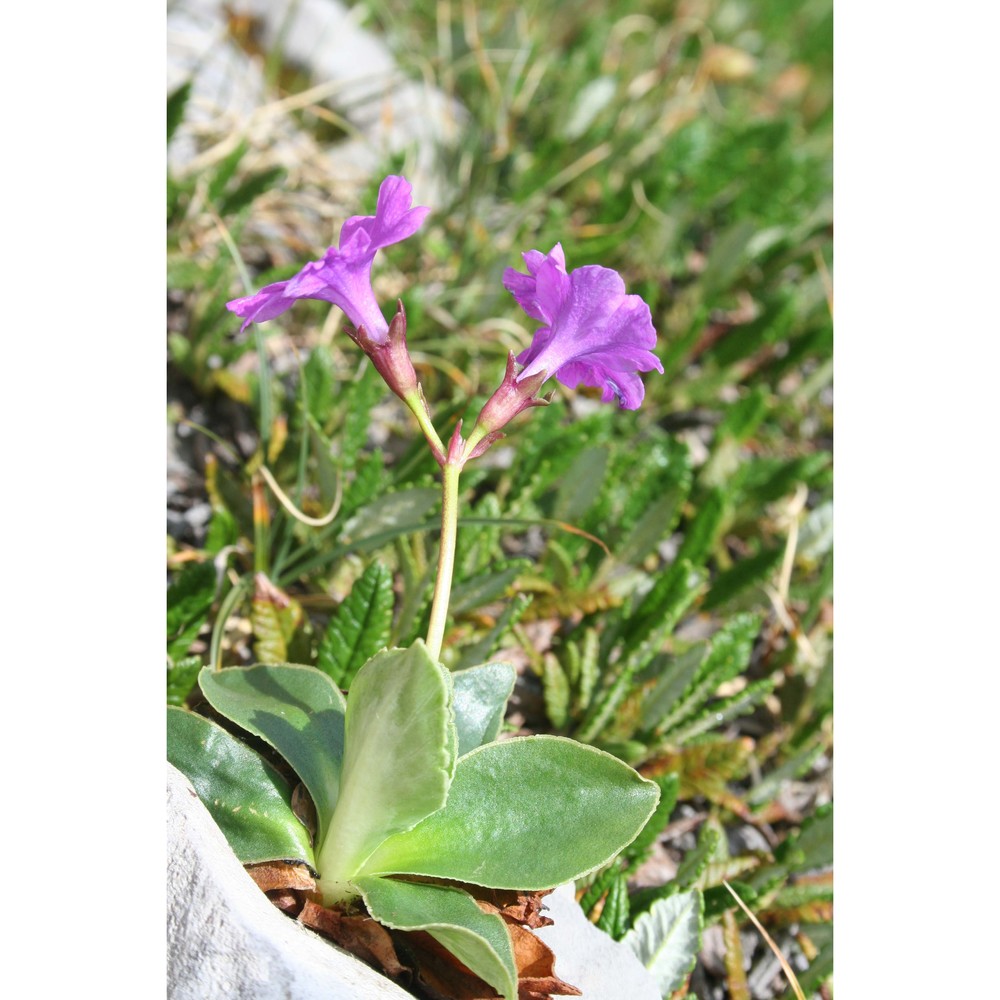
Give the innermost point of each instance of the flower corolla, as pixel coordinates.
(343, 275)
(593, 333)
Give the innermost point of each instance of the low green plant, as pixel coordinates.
(405, 775)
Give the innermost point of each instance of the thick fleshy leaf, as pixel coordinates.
(399, 758)
(527, 813)
(667, 938)
(298, 710)
(247, 797)
(481, 695)
(477, 939)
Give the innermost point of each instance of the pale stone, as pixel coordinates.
(225, 939)
(604, 969)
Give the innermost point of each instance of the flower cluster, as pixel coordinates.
(592, 332)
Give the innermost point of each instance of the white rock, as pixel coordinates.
(226, 940)
(598, 965)
(352, 69)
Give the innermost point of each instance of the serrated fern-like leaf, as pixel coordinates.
(728, 655)
(556, 691)
(696, 860)
(478, 544)
(675, 675)
(181, 678)
(722, 711)
(189, 599)
(745, 573)
(274, 617)
(486, 587)
(702, 532)
(601, 884)
(359, 628)
(793, 768)
(358, 401)
(367, 484)
(614, 918)
(641, 645)
(580, 485)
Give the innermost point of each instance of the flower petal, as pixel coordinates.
(594, 334)
(343, 275)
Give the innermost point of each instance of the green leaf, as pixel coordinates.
(189, 599)
(359, 628)
(580, 485)
(176, 103)
(298, 711)
(676, 674)
(700, 535)
(614, 918)
(654, 523)
(666, 939)
(728, 655)
(555, 687)
(812, 846)
(485, 587)
(526, 813)
(247, 797)
(748, 571)
(601, 884)
(479, 940)
(391, 512)
(244, 193)
(181, 678)
(718, 712)
(696, 860)
(274, 617)
(480, 700)
(399, 758)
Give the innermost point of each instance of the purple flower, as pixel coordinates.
(343, 276)
(594, 334)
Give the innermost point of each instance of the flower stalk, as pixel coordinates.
(451, 470)
(592, 333)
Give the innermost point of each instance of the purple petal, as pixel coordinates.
(343, 276)
(394, 220)
(269, 302)
(594, 334)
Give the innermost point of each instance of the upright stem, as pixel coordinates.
(416, 405)
(446, 557)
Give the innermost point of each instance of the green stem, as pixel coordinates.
(418, 407)
(446, 557)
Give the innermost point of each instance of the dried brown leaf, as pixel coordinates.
(361, 935)
(271, 875)
(519, 907)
